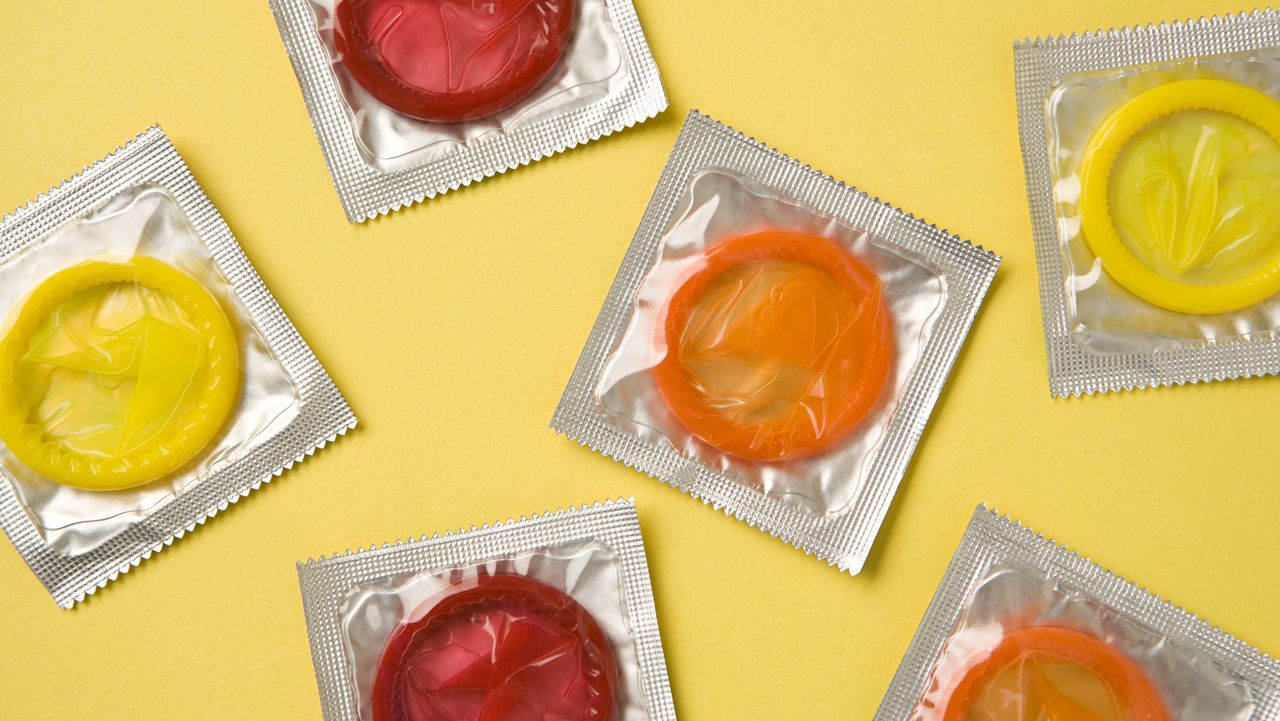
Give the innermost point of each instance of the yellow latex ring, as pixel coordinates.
(1099, 229)
(106, 407)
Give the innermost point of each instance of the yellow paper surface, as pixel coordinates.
(453, 326)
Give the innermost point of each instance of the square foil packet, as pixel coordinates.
(383, 158)
(558, 606)
(1152, 158)
(148, 379)
(1021, 627)
(774, 342)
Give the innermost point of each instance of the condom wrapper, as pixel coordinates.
(545, 617)
(1023, 628)
(411, 99)
(1153, 170)
(147, 377)
(774, 342)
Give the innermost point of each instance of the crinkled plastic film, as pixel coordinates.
(108, 363)
(382, 159)
(1086, 643)
(355, 602)
(721, 191)
(1151, 157)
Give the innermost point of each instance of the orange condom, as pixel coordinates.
(777, 346)
(1046, 672)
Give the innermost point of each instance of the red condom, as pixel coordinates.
(507, 648)
(451, 60)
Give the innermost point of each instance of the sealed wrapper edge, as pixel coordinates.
(1038, 64)
(325, 580)
(367, 193)
(992, 538)
(323, 412)
(844, 539)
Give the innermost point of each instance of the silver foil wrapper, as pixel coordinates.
(1100, 338)
(1004, 573)
(142, 200)
(382, 160)
(719, 184)
(355, 600)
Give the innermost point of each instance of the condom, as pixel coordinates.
(1180, 196)
(411, 99)
(1054, 673)
(116, 374)
(777, 346)
(548, 617)
(774, 342)
(507, 648)
(451, 60)
(1022, 628)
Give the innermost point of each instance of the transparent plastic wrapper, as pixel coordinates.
(1153, 170)
(774, 342)
(549, 617)
(147, 377)
(412, 98)
(1021, 628)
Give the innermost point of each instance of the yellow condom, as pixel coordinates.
(1180, 196)
(116, 374)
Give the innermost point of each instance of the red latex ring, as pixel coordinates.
(777, 346)
(1133, 693)
(507, 648)
(451, 60)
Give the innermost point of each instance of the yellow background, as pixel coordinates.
(453, 326)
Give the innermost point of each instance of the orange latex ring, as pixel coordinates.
(116, 374)
(777, 346)
(1058, 673)
(1187, 209)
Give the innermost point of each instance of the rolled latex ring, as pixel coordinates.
(777, 346)
(503, 647)
(1035, 649)
(452, 60)
(1099, 229)
(167, 387)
